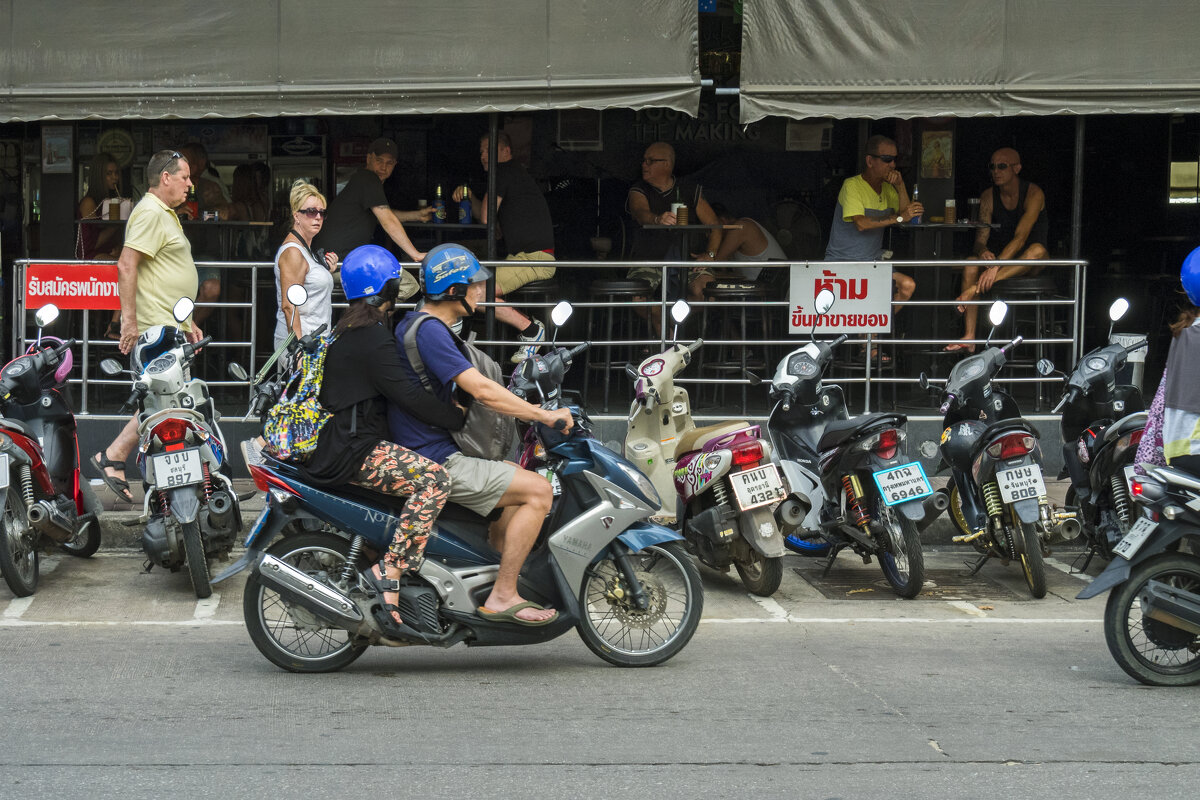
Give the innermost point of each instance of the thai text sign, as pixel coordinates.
(92, 287)
(862, 297)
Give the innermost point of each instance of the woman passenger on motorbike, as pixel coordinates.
(1173, 426)
(362, 373)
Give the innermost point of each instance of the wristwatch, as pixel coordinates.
(712, 254)
(899, 218)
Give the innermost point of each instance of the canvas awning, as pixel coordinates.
(63, 59)
(967, 58)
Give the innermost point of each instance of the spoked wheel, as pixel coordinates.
(18, 549)
(289, 636)
(197, 561)
(761, 576)
(902, 559)
(956, 512)
(1151, 650)
(617, 630)
(1028, 549)
(85, 543)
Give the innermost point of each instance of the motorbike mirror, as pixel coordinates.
(680, 311)
(237, 371)
(297, 295)
(561, 313)
(750, 376)
(1045, 367)
(631, 371)
(923, 381)
(1118, 309)
(824, 301)
(998, 312)
(183, 309)
(46, 314)
(111, 367)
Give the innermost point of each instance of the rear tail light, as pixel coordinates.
(1135, 438)
(172, 433)
(885, 444)
(265, 481)
(748, 454)
(1136, 488)
(1011, 446)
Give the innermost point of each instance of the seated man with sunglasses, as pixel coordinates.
(868, 203)
(1019, 208)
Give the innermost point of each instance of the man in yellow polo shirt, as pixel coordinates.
(154, 271)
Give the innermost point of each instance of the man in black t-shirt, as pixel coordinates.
(524, 221)
(361, 205)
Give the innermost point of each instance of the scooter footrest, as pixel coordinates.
(968, 537)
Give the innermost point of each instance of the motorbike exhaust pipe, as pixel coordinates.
(220, 510)
(326, 603)
(934, 505)
(1065, 524)
(48, 520)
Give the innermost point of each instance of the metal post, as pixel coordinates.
(490, 312)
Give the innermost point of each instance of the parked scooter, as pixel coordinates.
(998, 500)
(44, 493)
(851, 483)
(627, 585)
(1152, 618)
(1098, 453)
(718, 482)
(191, 509)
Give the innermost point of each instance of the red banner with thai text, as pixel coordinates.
(91, 287)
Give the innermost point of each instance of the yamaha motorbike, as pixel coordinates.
(44, 493)
(627, 585)
(1152, 618)
(998, 500)
(717, 481)
(850, 482)
(191, 509)
(1102, 425)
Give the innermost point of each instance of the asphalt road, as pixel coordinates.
(119, 683)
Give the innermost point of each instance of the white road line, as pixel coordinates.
(190, 623)
(206, 608)
(1065, 567)
(18, 607)
(967, 608)
(770, 605)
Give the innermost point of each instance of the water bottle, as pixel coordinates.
(464, 207)
(439, 206)
(916, 195)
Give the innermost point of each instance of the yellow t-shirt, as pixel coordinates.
(167, 271)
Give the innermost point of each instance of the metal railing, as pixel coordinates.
(861, 371)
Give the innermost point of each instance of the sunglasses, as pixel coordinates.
(998, 166)
(884, 159)
(313, 213)
(652, 160)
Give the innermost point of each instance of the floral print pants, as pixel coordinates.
(392, 469)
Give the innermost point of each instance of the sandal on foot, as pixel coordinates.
(954, 347)
(382, 612)
(510, 615)
(119, 486)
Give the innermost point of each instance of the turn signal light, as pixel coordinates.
(747, 455)
(1011, 446)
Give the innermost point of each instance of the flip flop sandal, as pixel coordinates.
(509, 615)
(382, 612)
(118, 486)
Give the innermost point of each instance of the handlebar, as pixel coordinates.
(949, 402)
(135, 398)
(1012, 344)
(694, 346)
(1071, 395)
(190, 349)
(577, 350)
(838, 341)
(1137, 346)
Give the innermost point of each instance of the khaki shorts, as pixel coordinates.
(653, 275)
(476, 483)
(511, 278)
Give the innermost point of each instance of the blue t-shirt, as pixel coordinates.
(443, 363)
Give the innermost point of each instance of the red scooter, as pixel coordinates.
(42, 489)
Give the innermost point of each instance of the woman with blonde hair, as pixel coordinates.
(297, 262)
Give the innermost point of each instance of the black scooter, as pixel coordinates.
(1102, 424)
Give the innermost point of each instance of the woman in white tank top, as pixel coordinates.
(295, 262)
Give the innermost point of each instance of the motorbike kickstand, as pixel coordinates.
(833, 554)
(983, 559)
(1087, 559)
(636, 592)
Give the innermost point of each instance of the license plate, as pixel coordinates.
(757, 487)
(551, 476)
(181, 468)
(903, 483)
(1139, 532)
(1021, 483)
(3, 470)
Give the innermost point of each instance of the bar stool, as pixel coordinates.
(616, 322)
(733, 323)
(1031, 321)
(544, 291)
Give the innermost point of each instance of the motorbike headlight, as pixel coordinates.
(642, 483)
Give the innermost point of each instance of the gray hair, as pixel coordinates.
(160, 162)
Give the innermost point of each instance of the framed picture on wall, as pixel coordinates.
(937, 155)
(57, 148)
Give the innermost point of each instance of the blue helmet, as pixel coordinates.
(1190, 275)
(447, 266)
(154, 341)
(371, 271)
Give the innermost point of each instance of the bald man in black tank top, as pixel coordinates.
(1019, 208)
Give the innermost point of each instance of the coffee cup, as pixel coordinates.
(680, 210)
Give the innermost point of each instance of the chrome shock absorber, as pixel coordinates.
(1120, 498)
(26, 485)
(356, 546)
(720, 492)
(854, 507)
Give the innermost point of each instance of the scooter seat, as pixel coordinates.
(1124, 425)
(697, 438)
(839, 431)
(18, 426)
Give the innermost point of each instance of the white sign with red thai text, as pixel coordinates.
(91, 287)
(862, 297)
